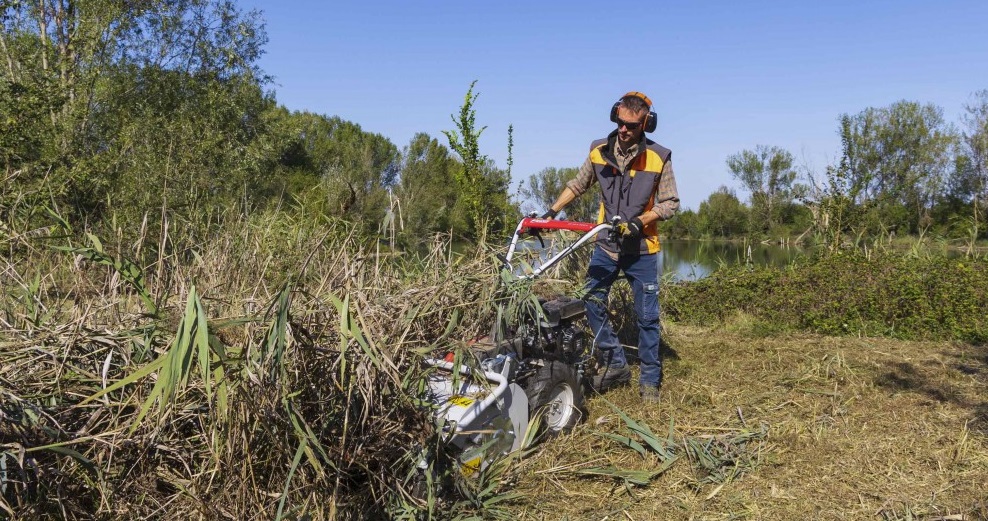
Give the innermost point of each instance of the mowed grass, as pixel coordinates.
(855, 428)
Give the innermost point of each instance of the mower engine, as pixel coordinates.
(558, 333)
(483, 408)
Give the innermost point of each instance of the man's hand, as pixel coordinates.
(631, 230)
(550, 214)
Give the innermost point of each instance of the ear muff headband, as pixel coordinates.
(651, 120)
(641, 96)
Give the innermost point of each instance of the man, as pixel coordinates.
(637, 185)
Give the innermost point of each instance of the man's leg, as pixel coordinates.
(643, 275)
(601, 274)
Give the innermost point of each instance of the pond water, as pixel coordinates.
(680, 259)
(692, 260)
(685, 260)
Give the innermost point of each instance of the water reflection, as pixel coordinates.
(692, 260)
(680, 260)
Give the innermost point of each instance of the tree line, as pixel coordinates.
(137, 111)
(902, 169)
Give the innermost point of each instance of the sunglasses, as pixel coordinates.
(630, 125)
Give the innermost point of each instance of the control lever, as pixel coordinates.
(614, 235)
(538, 235)
(534, 232)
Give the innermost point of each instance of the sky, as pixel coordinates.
(724, 76)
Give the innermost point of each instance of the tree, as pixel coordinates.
(349, 172)
(500, 212)
(116, 81)
(766, 172)
(427, 190)
(544, 187)
(483, 187)
(192, 142)
(723, 214)
(685, 224)
(465, 141)
(969, 179)
(898, 156)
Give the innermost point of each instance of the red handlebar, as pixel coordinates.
(552, 224)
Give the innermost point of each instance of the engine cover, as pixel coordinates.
(562, 308)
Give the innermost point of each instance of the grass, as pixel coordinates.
(271, 379)
(854, 428)
(269, 372)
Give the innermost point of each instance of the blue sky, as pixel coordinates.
(724, 76)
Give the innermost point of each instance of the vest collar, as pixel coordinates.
(612, 144)
(609, 152)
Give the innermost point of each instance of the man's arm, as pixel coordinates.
(666, 197)
(575, 187)
(566, 197)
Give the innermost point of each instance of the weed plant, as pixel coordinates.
(855, 292)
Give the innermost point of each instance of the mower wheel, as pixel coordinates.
(555, 393)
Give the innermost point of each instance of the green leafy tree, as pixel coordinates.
(898, 156)
(837, 203)
(968, 185)
(483, 187)
(106, 72)
(344, 170)
(723, 214)
(427, 191)
(768, 174)
(500, 212)
(465, 141)
(192, 143)
(543, 188)
(685, 224)
(291, 170)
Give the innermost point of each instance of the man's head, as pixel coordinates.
(633, 116)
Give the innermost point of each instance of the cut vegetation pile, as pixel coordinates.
(271, 370)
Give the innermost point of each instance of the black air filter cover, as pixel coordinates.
(562, 308)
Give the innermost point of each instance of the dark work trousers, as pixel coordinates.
(642, 272)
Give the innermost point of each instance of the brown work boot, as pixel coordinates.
(649, 393)
(611, 377)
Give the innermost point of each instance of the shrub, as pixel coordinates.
(885, 294)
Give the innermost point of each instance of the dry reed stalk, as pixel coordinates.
(321, 417)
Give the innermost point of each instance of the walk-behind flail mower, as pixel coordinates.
(533, 365)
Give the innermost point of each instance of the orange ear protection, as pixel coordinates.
(651, 120)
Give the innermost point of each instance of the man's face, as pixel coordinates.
(626, 120)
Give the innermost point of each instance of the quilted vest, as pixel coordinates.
(628, 194)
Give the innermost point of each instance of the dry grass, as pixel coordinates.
(308, 410)
(253, 403)
(856, 429)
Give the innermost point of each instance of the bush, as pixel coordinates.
(882, 294)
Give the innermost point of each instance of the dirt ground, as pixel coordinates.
(833, 428)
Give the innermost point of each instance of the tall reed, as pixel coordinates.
(264, 370)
